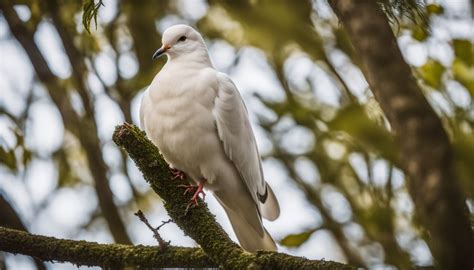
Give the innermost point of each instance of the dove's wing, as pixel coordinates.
(235, 132)
(143, 107)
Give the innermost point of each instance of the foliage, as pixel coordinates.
(296, 240)
(90, 10)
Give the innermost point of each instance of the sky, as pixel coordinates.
(68, 208)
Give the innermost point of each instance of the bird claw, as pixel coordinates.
(194, 199)
(177, 174)
(196, 195)
(188, 206)
(188, 188)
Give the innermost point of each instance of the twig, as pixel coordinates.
(163, 223)
(162, 243)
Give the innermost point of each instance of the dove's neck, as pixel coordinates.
(197, 58)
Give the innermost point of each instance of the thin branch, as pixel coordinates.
(162, 243)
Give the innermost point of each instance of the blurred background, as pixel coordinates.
(326, 146)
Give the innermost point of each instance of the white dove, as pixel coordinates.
(198, 120)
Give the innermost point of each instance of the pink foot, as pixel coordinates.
(177, 174)
(199, 189)
(188, 188)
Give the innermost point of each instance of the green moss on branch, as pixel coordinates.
(198, 222)
(103, 255)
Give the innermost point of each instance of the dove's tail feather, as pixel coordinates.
(249, 238)
(270, 208)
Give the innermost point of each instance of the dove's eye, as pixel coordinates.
(182, 38)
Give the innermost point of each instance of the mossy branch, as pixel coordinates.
(198, 222)
(104, 255)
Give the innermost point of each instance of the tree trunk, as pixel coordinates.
(426, 154)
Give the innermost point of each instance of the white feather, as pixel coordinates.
(235, 132)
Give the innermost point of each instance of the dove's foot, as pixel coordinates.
(199, 189)
(177, 174)
(187, 188)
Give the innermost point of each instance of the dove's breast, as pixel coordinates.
(178, 119)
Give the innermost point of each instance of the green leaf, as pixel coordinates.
(420, 32)
(296, 240)
(7, 158)
(431, 73)
(464, 51)
(90, 9)
(434, 9)
(464, 74)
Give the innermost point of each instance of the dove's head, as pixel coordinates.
(181, 40)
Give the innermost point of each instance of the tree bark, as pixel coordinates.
(426, 154)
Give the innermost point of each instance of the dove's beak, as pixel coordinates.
(160, 52)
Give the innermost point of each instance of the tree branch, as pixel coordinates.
(198, 222)
(425, 148)
(103, 255)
